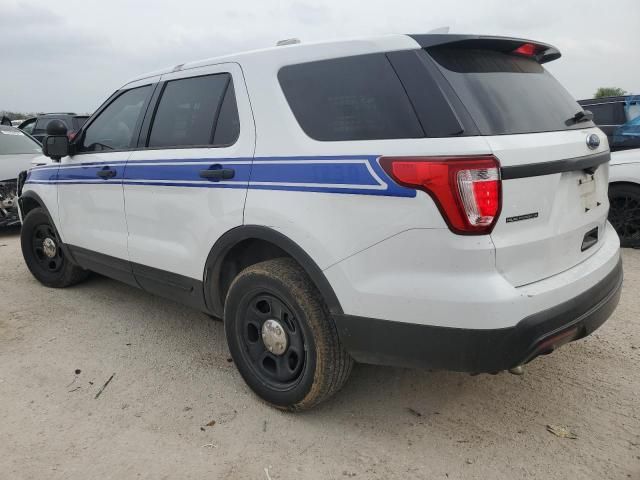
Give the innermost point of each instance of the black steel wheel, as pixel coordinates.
(44, 252)
(281, 336)
(272, 340)
(46, 248)
(624, 213)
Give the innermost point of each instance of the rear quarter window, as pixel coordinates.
(351, 98)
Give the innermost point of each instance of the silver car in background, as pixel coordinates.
(17, 150)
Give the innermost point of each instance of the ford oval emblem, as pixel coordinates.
(593, 141)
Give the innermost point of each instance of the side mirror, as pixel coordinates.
(55, 144)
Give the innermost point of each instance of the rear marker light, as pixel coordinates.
(466, 189)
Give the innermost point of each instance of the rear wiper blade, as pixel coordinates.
(581, 116)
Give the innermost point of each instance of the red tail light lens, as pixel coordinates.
(466, 189)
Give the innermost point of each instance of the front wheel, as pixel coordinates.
(624, 213)
(43, 252)
(282, 337)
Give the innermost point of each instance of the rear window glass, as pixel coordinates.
(14, 142)
(351, 98)
(507, 94)
(186, 114)
(41, 124)
(78, 122)
(607, 113)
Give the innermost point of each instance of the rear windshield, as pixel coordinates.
(507, 94)
(14, 142)
(41, 124)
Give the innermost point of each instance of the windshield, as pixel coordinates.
(14, 142)
(506, 93)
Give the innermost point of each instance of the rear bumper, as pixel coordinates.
(387, 342)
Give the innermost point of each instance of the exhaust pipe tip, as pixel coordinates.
(519, 370)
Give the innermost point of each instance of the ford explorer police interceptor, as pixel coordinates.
(423, 200)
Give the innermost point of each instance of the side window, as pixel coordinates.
(228, 126)
(196, 111)
(352, 98)
(113, 129)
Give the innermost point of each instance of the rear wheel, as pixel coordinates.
(43, 252)
(624, 213)
(282, 337)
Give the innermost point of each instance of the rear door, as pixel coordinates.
(186, 184)
(554, 186)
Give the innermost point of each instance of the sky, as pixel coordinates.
(70, 55)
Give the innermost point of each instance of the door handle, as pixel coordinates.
(106, 173)
(217, 173)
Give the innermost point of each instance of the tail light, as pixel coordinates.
(466, 189)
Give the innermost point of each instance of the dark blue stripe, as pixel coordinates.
(318, 174)
(181, 172)
(336, 173)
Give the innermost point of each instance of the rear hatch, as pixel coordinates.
(554, 186)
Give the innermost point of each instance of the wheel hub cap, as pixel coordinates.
(49, 247)
(274, 337)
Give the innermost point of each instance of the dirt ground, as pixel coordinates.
(172, 379)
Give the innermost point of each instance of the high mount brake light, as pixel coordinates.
(527, 50)
(466, 189)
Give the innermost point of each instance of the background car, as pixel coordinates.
(37, 126)
(618, 117)
(624, 196)
(17, 151)
(28, 124)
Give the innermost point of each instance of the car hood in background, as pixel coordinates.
(12, 165)
(623, 157)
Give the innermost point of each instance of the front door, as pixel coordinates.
(90, 196)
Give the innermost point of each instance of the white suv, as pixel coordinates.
(420, 200)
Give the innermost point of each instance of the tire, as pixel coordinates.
(313, 365)
(44, 252)
(624, 213)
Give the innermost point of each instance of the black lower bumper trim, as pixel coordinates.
(386, 342)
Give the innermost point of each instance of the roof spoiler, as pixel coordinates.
(541, 52)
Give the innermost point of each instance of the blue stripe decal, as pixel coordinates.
(349, 174)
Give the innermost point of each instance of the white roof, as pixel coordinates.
(300, 52)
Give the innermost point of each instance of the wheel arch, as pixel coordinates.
(249, 244)
(30, 200)
(627, 183)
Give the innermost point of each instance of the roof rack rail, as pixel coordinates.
(288, 41)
